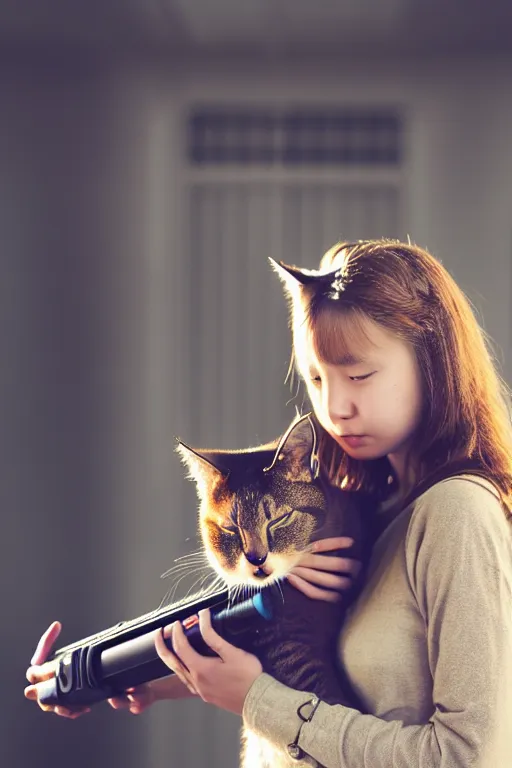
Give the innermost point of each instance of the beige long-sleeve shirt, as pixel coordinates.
(427, 646)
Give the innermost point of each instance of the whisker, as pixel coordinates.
(200, 552)
(277, 585)
(198, 558)
(211, 588)
(200, 580)
(172, 590)
(216, 583)
(233, 595)
(238, 593)
(204, 578)
(183, 568)
(178, 577)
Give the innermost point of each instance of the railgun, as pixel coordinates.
(104, 665)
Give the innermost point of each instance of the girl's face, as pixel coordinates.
(370, 400)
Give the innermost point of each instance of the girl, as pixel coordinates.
(400, 377)
(401, 380)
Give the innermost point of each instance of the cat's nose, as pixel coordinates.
(255, 559)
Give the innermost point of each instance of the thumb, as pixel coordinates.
(45, 643)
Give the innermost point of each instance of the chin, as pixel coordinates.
(364, 451)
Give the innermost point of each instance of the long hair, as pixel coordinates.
(404, 289)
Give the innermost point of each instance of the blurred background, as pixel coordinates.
(153, 154)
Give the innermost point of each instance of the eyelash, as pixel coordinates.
(317, 379)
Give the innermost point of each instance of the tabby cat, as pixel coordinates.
(260, 509)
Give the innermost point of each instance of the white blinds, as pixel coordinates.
(238, 335)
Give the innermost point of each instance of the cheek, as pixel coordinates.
(321, 413)
(418, 401)
(414, 393)
(317, 401)
(313, 392)
(400, 405)
(222, 549)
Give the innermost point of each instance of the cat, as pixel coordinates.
(260, 510)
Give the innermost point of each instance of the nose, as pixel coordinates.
(339, 405)
(255, 559)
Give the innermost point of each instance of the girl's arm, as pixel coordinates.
(169, 688)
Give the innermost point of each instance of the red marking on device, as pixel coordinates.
(191, 621)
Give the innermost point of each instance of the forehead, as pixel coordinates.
(343, 338)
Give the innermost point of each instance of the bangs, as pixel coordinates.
(338, 337)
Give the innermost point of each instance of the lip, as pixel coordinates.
(353, 440)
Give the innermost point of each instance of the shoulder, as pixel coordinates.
(455, 507)
(462, 488)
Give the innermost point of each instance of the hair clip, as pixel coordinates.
(338, 285)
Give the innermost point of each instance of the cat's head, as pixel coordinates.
(260, 508)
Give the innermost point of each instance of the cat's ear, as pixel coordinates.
(294, 277)
(200, 468)
(297, 452)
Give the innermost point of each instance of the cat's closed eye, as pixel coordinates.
(282, 521)
(231, 529)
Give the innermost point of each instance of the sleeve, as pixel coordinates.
(459, 565)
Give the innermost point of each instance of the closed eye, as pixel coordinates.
(282, 521)
(310, 510)
(316, 380)
(231, 529)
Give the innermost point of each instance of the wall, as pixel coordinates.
(94, 505)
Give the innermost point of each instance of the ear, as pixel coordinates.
(202, 471)
(297, 452)
(293, 277)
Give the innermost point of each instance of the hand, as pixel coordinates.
(318, 576)
(41, 670)
(223, 681)
(136, 700)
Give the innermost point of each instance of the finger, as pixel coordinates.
(220, 645)
(131, 697)
(188, 655)
(126, 702)
(164, 650)
(138, 704)
(316, 593)
(323, 579)
(339, 564)
(217, 643)
(45, 643)
(71, 714)
(30, 692)
(135, 701)
(36, 674)
(119, 702)
(139, 698)
(135, 706)
(169, 658)
(336, 542)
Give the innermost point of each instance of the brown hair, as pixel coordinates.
(407, 291)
